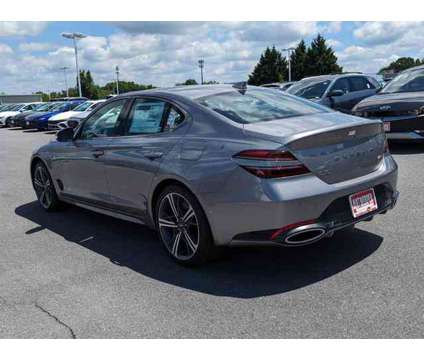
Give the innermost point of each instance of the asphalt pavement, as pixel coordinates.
(77, 274)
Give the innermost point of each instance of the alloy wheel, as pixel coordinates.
(178, 226)
(43, 187)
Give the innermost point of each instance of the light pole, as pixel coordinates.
(289, 50)
(201, 66)
(74, 37)
(117, 79)
(66, 79)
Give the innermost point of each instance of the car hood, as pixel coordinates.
(38, 115)
(23, 114)
(81, 114)
(64, 115)
(392, 102)
(288, 129)
(9, 113)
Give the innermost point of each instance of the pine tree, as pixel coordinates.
(320, 59)
(272, 67)
(298, 61)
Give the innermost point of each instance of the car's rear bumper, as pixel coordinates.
(236, 219)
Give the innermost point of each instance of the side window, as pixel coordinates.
(175, 118)
(104, 122)
(359, 83)
(72, 106)
(146, 117)
(341, 84)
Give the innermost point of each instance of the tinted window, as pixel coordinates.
(309, 89)
(146, 117)
(359, 83)
(258, 105)
(341, 84)
(104, 122)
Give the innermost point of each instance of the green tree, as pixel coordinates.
(298, 61)
(88, 88)
(401, 64)
(272, 67)
(320, 59)
(188, 82)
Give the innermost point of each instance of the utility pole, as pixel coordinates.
(117, 79)
(201, 66)
(66, 79)
(74, 37)
(289, 50)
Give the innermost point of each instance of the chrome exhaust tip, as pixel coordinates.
(304, 235)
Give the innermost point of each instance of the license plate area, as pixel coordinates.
(363, 202)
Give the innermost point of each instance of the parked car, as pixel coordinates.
(22, 120)
(220, 165)
(400, 105)
(14, 110)
(15, 120)
(86, 107)
(339, 92)
(40, 121)
(280, 86)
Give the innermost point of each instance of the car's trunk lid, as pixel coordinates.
(335, 147)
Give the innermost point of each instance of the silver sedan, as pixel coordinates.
(220, 165)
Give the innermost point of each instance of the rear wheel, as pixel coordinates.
(44, 188)
(183, 227)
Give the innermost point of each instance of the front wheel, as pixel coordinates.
(183, 227)
(44, 188)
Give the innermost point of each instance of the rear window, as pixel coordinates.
(253, 106)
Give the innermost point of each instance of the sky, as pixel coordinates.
(164, 53)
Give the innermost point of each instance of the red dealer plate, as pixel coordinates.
(363, 202)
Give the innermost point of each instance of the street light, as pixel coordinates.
(117, 79)
(201, 66)
(66, 79)
(74, 37)
(289, 50)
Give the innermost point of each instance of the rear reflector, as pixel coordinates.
(290, 227)
(270, 163)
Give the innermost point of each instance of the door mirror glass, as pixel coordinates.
(334, 93)
(65, 135)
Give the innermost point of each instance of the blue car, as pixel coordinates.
(40, 120)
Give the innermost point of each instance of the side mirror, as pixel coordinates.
(65, 135)
(73, 123)
(335, 93)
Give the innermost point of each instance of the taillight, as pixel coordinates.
(270, 163)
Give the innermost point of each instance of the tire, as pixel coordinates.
(183, 227)
(44, 188)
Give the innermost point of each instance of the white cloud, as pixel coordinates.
(5, 49)
(35, 46)
(21, 28)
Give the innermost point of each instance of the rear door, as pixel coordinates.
(151, 131)
(361, 88)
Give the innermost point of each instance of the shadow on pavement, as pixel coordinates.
(406, 147)
(244, 273)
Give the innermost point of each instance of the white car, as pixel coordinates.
(85, 107)
(75, 119)
(15, 109)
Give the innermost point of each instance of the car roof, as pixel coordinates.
(191, 91)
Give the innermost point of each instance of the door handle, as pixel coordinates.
(153, 155)
(98, 153)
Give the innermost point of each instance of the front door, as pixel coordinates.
(83, 167)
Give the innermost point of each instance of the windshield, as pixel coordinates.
(58, 107)
(405, 82)
(310, 89)
(252, 106)
(84, 106)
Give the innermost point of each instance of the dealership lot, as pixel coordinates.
(81, 274)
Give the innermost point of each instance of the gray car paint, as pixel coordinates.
(199, 153)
